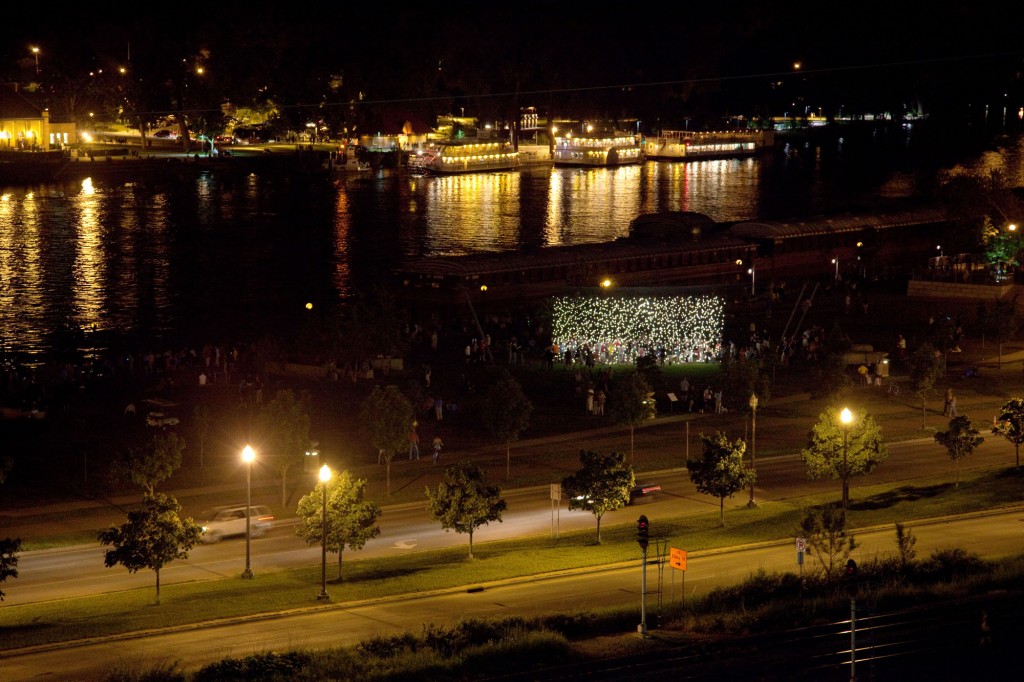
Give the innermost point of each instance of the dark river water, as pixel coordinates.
(220, 259)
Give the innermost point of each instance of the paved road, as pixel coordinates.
(79, 571)
(345, 624)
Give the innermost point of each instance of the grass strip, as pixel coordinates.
(196, 602)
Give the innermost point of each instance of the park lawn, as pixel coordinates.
(184, 605)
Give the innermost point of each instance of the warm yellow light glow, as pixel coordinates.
(606, 283)
(325, 473)
(739, 261)
(846, 417)
(796, 66)
(1011, 227)
(483, 287)
(309, 306)
(248, 454)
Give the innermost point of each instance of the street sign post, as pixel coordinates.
(556, 510)
(677, 560)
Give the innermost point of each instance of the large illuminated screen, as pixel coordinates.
(620, 329)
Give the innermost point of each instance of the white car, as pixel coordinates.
(161, 419)
(229, 521)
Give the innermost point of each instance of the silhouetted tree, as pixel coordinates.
(960, 441)
(506, 413)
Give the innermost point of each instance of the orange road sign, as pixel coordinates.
(677, 558)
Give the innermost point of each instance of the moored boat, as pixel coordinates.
(685, 145)
(617, 149)
(464, 157)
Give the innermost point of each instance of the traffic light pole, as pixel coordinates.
(642, 537)
(853, 639)
(643, 595)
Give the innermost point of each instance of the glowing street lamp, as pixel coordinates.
(835, 261)
(325, 476)
(35, 51)
(248, 455)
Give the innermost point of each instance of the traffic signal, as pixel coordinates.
(643, 531)
(851, 578)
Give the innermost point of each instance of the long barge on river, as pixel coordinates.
(685, 249)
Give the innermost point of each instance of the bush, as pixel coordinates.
(947, 565)
(266, 667)
(387, 647)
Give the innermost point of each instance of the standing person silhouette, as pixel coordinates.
(437, 445)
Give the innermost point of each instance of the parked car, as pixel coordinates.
(229, 521)
(161, 419)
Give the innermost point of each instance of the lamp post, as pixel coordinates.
(753, 445)
(248, 455)
(325, 476)
(846, 418)
(753, 276)
(35, 51)
(835, 261)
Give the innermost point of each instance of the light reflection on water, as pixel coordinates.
(218, 259)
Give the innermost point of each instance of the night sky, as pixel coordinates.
(661, 64)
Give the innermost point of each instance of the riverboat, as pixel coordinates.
(616, 150)
(685, 145)
(685, 249)
(463, 157)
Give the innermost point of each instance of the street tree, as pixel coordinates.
(720, 471)
(506, 413)
(373, 326)
(960, 441)
(842, 452)
(601, 484)
(631, 402)
(925, 370)
(351, 519)
(8, 548)
(153, 536)
(1002, 324)
(386, 417)
(827, 540)
(146, 467)
(8, 560)
(1010, 424)
(829, 378)
(905, 542)
(464, 500)
(283, 425)
(201, 423)
(742, 378)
